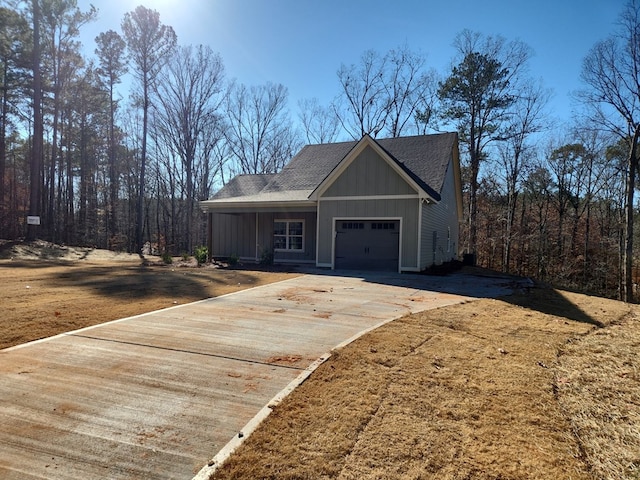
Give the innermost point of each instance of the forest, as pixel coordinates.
(125, 170)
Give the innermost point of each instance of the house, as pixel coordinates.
(390, 204)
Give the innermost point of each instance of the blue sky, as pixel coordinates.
(302, 43)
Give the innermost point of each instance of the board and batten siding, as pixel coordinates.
(234, 234)
(352, 196)
(368, 175)
(439, 227)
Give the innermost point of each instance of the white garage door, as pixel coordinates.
(367, 244)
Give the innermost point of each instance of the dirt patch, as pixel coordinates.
(301, 295)
(284, 359)
(462, 392)
(48, 289)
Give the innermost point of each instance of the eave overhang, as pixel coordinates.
(219, 205)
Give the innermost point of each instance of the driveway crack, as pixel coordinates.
(190, 352)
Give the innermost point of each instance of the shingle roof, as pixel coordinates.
(244, 185)
(310, 166)
(424, 158)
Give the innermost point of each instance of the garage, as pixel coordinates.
(367, 244)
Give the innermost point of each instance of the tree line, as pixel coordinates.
(543, 199)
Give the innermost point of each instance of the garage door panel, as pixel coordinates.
(367, 245)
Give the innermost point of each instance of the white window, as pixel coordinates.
(288, 235)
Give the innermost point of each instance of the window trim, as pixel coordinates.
(288, 236)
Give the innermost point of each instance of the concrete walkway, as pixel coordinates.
(158, 395)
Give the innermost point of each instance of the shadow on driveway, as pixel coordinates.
(476, 283)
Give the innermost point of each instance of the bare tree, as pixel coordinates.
(259, 132)
(190, 99)
(149, 43)
(596, 175)
(409, 89)
(385, 94)
(363, 105)
(611, 70)
(526, 120)
(320, 123)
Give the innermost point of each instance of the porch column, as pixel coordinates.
(257, 258)
(210, 236)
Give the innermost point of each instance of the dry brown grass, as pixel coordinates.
(463, 392)
(598, 387)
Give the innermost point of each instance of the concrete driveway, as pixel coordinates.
(158, 395)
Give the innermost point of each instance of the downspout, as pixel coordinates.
(317, 230)
(419, 257)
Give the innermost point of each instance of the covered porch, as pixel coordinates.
(284, 234)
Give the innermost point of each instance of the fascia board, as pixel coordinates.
(209, 206)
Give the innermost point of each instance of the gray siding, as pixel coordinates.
(438, 222)
(235, 235)
(407, 209)
(367, 175)
(265, 238)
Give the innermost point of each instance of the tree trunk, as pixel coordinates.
(69, 218)
(50, 208)
(3, 138)
(632, 164)
(36, 151)
(143, 163)
(474, 153)
(587, 244)
(508, 235)
(83, 227)
(112, 216)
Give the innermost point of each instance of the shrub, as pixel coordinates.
(266, 258)
(234, 260)
(201, 254)
(167, 258)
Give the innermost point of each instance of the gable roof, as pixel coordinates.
(422, 158)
